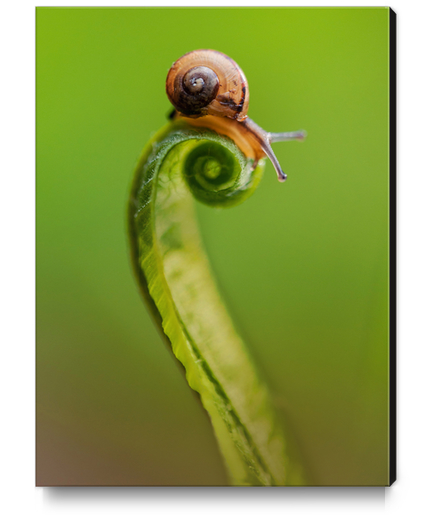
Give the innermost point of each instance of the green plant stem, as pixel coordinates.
(176, 281)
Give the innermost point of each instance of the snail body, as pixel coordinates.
(239, 132)
(208, 89)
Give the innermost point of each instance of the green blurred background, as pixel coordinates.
(303, 266)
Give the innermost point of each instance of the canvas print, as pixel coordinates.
(215, 246)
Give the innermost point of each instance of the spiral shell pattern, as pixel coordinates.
(208, 82)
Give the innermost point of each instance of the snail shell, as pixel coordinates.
(207, 82)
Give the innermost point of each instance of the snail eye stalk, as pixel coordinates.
(265, 139)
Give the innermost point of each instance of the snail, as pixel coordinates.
(208, 89)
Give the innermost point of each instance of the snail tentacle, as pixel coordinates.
(287, 136)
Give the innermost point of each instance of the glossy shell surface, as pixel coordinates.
(228, 91)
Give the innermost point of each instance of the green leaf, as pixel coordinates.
(175, 278)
